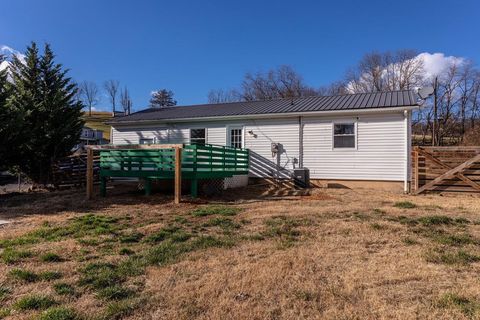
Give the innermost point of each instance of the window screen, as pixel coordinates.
(197, 136)
(344, 135)
(236, 138)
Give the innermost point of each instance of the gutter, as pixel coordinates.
(269, 115)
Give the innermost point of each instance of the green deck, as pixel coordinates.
(198, 162)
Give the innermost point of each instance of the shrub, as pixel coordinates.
(35, 302)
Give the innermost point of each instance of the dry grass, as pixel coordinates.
(264, 254)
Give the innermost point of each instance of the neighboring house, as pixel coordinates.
(356, 137)
(91, 136)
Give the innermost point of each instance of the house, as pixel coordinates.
(91, 136)
(346, 138)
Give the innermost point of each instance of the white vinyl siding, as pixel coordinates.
(379, 153)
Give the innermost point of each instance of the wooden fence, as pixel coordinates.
(445, 169)
(72, 171)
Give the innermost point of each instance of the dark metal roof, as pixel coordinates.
(281, 106)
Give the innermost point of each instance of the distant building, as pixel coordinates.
(91, 136)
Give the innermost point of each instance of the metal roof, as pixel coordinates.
(357, 101)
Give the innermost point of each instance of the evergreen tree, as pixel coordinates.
(162, 98)
(51, 122)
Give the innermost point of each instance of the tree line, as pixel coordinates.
(90, 94)
(451, 116)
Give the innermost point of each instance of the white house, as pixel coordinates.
(355, 137)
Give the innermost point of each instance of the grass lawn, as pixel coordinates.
(330, 254)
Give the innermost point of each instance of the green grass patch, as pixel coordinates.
(173, 233)
(64, 289)
(115, 292)
(212, 210)
(4, 292)
(377, 226)
(456, 240)
(409, 241)
(23, 275)
(132, 237)
(5, 312)
(460, 257)
(435, 220)
(100, 275)
(126, 252)
(50, 275)
(467, 306)
(12, 255)
(120, 309)
(87, 225)
(226, 224)
(282, 228)
(50, 257)
(35, 302)
(59, 313)
(180, 220)
(405, 205)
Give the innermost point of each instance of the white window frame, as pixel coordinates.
(355, 130)
(229, 133)
(195, 128)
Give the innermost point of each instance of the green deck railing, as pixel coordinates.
(198, 162)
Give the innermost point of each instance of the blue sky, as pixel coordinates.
(191, 47)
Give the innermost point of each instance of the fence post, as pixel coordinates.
(415, 166)
(89, 173)
(178, 174)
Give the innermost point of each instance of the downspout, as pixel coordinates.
(407, 150)
(300, 142)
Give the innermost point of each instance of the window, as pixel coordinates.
(236, 138)
(344, 135)
(146, 141)
(197, 136)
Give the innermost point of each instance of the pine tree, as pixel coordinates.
(162, 98)
(51, 115)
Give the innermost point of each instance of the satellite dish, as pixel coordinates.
(425, 92)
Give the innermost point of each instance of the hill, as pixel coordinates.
(97, 121)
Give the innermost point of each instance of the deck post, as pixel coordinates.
(148, 186)
(194, 188)
(103, 186)
(178, 174)
(89, 173)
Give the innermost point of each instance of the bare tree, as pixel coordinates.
(282, 82)
(126, 101)
(335, 88)
(387, 71)
(111, 86)
(222, 96)
(89, 94)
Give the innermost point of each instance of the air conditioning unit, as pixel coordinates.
(301, 177)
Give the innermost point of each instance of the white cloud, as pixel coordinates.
(436, 64)
(9, 53)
